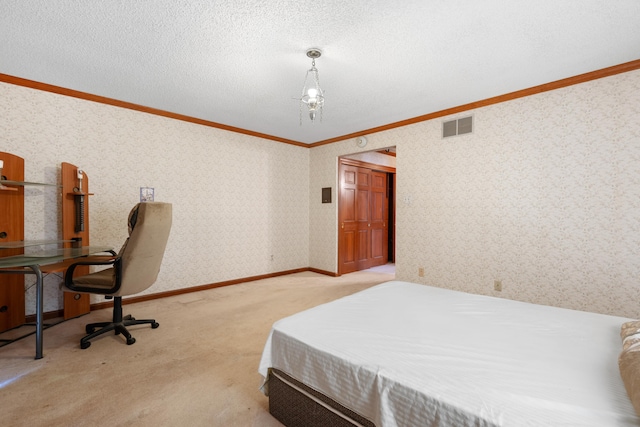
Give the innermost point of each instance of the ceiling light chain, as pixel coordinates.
(312, 94)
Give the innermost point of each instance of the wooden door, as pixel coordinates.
(347, 217)
(363, 218)
(379, 219)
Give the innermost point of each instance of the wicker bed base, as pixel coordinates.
(297, 405)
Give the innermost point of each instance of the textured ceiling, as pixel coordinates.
(242, 63)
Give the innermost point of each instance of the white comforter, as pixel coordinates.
(403, 354)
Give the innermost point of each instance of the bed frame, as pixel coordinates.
(297, 405)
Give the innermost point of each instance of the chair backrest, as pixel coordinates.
(142, 253)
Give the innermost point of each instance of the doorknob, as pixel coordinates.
(369, 225)
(343, 225)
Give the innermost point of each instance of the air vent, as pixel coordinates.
(457, 127)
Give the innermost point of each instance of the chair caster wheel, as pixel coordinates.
(155, 325)
(130, 340)
(85, 345)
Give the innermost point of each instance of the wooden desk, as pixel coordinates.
(31, 264)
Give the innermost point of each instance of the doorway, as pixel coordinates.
(366, 215)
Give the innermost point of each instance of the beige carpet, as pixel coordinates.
(199, 368)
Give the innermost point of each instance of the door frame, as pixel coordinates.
(392, 203)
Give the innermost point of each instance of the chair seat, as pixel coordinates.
(98, 280)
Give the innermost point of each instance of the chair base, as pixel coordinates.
(118, 328)
(118, 325)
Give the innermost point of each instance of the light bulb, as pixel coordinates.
(312, 92)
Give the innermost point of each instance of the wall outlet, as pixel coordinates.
(421, 272)
(497, 285)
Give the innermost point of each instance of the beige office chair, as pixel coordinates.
(134, 268)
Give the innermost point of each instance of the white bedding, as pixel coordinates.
(403, 354)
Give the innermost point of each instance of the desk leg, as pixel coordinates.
(35, 269)
(39, 309)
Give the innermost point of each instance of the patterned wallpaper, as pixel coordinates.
(240, 203)
(544, 196)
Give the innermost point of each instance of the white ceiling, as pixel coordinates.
(241, 63)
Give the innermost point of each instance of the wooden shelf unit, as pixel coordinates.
(12, 311)
(75, 304)
(12, 294)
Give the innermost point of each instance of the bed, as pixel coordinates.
(404, 354)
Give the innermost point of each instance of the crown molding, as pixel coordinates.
(19, 81)
(558, 84)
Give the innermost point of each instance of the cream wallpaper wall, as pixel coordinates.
(240, 203)
(543, 196)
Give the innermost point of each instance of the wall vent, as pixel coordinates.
(457, 127)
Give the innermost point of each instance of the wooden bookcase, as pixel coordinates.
(12, 311)
(73, 190)
(12, 295)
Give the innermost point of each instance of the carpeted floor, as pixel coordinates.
(199, 368)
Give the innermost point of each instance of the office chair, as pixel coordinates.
(134, 269)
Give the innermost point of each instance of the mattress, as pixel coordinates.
(403, 354)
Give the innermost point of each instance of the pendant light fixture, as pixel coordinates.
(312, 95)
